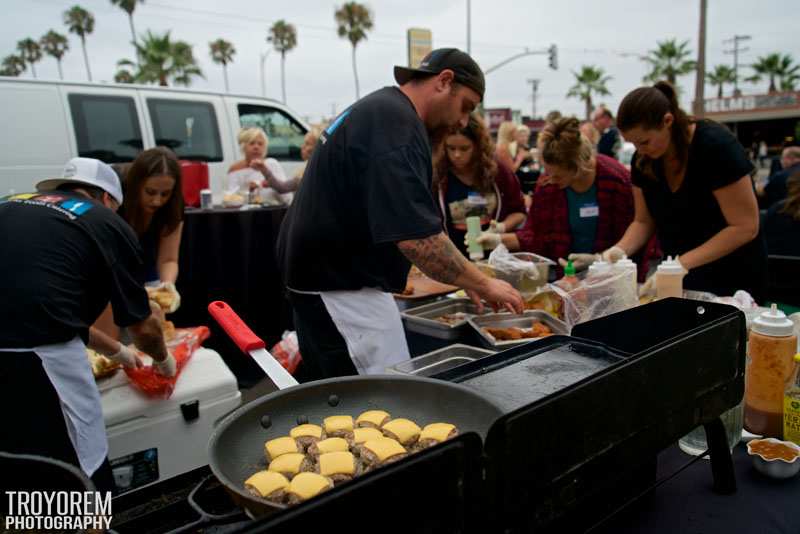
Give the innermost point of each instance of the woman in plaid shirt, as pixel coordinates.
(581, 206)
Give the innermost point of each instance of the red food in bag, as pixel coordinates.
(152, 384)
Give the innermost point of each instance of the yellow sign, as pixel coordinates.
(420, 43)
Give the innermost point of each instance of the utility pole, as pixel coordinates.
(263, 77)
(736, 39)
(534, 88)
(469, 27)
(700, 78)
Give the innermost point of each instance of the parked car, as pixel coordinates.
(45, 123)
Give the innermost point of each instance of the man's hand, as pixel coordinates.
(579, 261)
(126, 357)
(167, 367)
(499, 294)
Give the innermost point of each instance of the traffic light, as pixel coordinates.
(553, 56)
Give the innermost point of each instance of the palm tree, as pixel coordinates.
(788, 74)
(222, 52)
(162, 60)
(589, 80)
(129, 6)
(123, 76)
(56, 45)
(769, 65)
(12, 66)
(80, 22)
(721, 75)
(669, 61)
(283, 37)
(30, 52)
(353, 20)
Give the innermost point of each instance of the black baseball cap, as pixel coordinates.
(466, 71)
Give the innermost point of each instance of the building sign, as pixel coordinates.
(420, 43)
(752, 102)
(496, 116)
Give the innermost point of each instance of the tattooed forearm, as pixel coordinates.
(436, 256)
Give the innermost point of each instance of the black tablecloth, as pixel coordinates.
(229, 254)
(686, 504)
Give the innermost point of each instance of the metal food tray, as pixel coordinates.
(440, 360)
(506, 320)
(422, 319)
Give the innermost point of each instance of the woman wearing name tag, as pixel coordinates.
(692, 188)
(582, 204)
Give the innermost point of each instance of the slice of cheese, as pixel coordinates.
(332, 445)
(287, 463)
(376, 417)
(280, 446)
(384, 448)
(338, 423)
(436, 431)
(266, 482)
(405, 429)
(360, 435)
(306, 485)
(336, 463)
(314, 431)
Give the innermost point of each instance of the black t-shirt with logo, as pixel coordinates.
(690, 216)
(366, 187)
(65, 256)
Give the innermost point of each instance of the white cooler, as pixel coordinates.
(153, 439)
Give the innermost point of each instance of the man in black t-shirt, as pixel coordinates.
(610, 141)
(66, 254)
(364, 211)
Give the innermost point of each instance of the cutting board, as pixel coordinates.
(425, 287)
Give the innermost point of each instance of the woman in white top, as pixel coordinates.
(256, 170)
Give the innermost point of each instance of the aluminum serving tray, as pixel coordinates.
(440, 360)
(506, 320)
(422, 319)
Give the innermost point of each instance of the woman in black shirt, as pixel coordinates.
(692, 188)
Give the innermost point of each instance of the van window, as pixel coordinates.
(106, 127)
(285, 134)
(189, 128)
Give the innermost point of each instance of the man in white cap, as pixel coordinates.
(66, 254)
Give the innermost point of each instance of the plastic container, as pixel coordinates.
(694, 442)
(626, 265)
(791, 407)
(669, 278)
(194, 178)
(599, 268)
(770, 369)
(474, 248)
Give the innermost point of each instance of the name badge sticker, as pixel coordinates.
(589, 210)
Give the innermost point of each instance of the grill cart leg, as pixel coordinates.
(721, 461)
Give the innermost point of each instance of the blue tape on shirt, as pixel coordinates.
(77, 207)
(339, 120)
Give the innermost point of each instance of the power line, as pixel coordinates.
(736, 39)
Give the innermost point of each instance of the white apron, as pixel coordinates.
(68, 369)
(370, 323)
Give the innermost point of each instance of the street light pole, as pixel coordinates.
(534, 88)
(469, 27)
(263, 81)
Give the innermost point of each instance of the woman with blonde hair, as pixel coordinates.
(508, 151)
(466, 175)
(582, 204)
(256, 170)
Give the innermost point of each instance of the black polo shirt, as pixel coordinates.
(64, 257)
(366, 187)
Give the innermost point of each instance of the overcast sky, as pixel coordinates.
(319, 75)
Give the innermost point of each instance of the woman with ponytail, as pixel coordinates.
(582, 203)
(691, 188)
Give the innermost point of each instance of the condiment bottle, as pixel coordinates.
(626, 265)
(598, 268)
(770, 366)
(474, 248)
(669, 278)
(791, 406)
(569, 281)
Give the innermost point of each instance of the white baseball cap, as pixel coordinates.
(86, 171)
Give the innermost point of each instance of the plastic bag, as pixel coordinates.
(287, 351)
(597, 296)
(152, 384)
(526, 272)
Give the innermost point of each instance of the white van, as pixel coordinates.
(45, 123)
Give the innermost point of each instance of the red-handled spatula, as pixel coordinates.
(250, 343)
